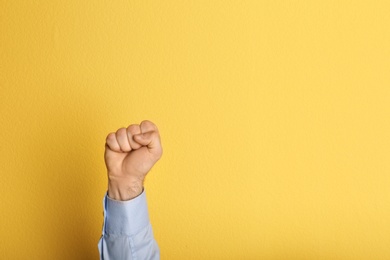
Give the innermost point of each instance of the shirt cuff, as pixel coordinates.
(125, 217)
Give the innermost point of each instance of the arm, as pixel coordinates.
(129, 155)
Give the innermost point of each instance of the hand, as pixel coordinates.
(129, 155)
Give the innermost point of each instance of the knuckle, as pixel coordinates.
(110, 137)
(133, 129)
(148, 124)
(120, 133)
(121, 130)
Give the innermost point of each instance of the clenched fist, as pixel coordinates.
(129, 155)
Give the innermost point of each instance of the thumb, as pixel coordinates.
(151, 140)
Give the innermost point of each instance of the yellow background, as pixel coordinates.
(274, 117)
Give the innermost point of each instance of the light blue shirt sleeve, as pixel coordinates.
(127, 232)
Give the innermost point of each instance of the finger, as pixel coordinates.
(112, 143)
(131, 131)
(151, 140)
(147, 126)
(123, 141)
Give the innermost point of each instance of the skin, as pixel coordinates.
(129, 155)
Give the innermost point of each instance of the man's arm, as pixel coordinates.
(129, 155)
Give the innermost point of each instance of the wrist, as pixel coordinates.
(124, 189)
